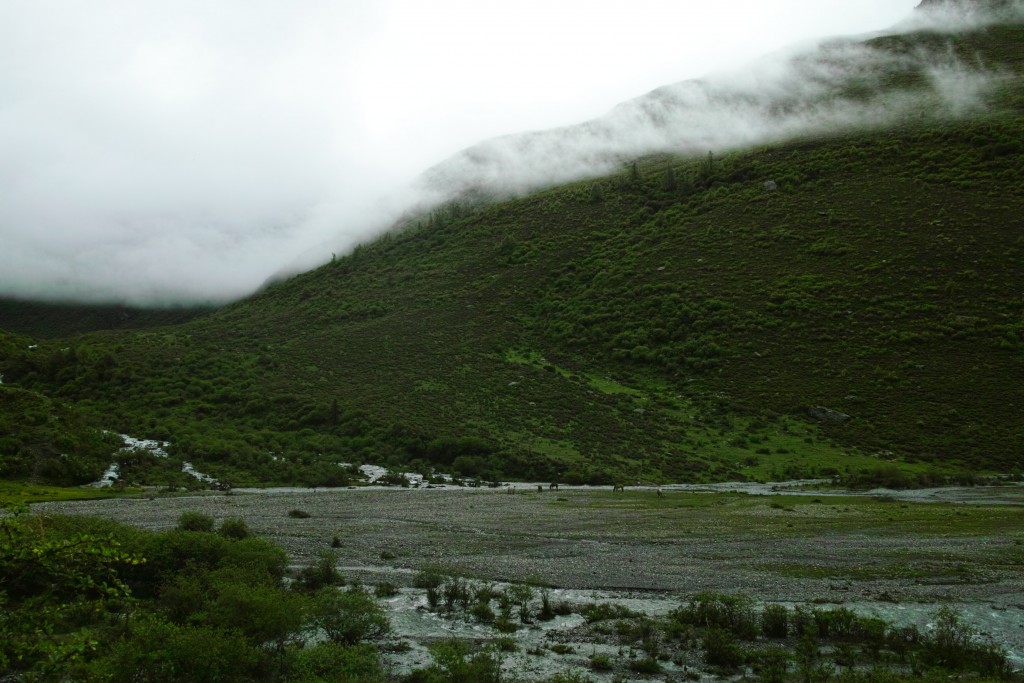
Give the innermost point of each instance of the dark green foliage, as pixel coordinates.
(732, 613)
(775, 621)
(458, 662)
(482, 612)
(385, 589)
(51, 586)
(956, 646)
(609, 330)
(602, 611)
(721, 649)
(428, 578)
(771, 664)
(53, 320)
(349, 617)
(50, 441)
(158, 651)
(234, 527)
(647, 666)
(88, 599)
(322, 574)
(259, 608)
(332, 662)
(190, 520)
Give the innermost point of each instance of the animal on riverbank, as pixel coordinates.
(553, 486)
(661, 492)
(618, 487)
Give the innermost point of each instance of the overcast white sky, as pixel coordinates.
(187, 149)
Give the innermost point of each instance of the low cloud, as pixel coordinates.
(160, 153)
(837, 86)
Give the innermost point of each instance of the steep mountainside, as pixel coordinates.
(830, 305)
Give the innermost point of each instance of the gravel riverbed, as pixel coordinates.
(584, 539)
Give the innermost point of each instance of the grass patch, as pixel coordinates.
(14, 493)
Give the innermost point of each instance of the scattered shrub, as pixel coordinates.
(721, 649)
(323, 573)
(385, 589)
(602, 611)
(192, 520)
(734, 613)
(648, 666)
(331, 661)
(771, 664)
(482, 612)
(455, 660)
(234, 527)
(349, 616)
(775, 621)
(506, 644)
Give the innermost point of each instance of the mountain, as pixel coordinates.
(842, 84)
(52, 320)
(845, 302)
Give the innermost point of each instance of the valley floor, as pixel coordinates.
(865, 552)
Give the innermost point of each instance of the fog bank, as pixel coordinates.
(158, 153)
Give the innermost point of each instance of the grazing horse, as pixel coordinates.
(618, 487)
(553, 486)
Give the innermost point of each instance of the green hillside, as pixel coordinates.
(53, 320)
(680, 320)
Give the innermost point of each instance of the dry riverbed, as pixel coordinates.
(897, 559)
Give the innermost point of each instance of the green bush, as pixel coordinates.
(734, 613)
(234, 527)
(482, 612)
(602, 611)
(349, 616)
(771, 664)
(191, 520)
(647, 666)
(335, 663)
(455, 661)
(322, 574)
(264, 613)
(955, 645)
(385, 589)
(721, 649)
(775, 621)
(158, 651)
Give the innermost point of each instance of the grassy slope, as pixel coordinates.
(54, 320)
(657, 326)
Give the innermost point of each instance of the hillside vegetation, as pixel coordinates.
(684, 319)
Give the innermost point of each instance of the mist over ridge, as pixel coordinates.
(835, 86)
(197, 214)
